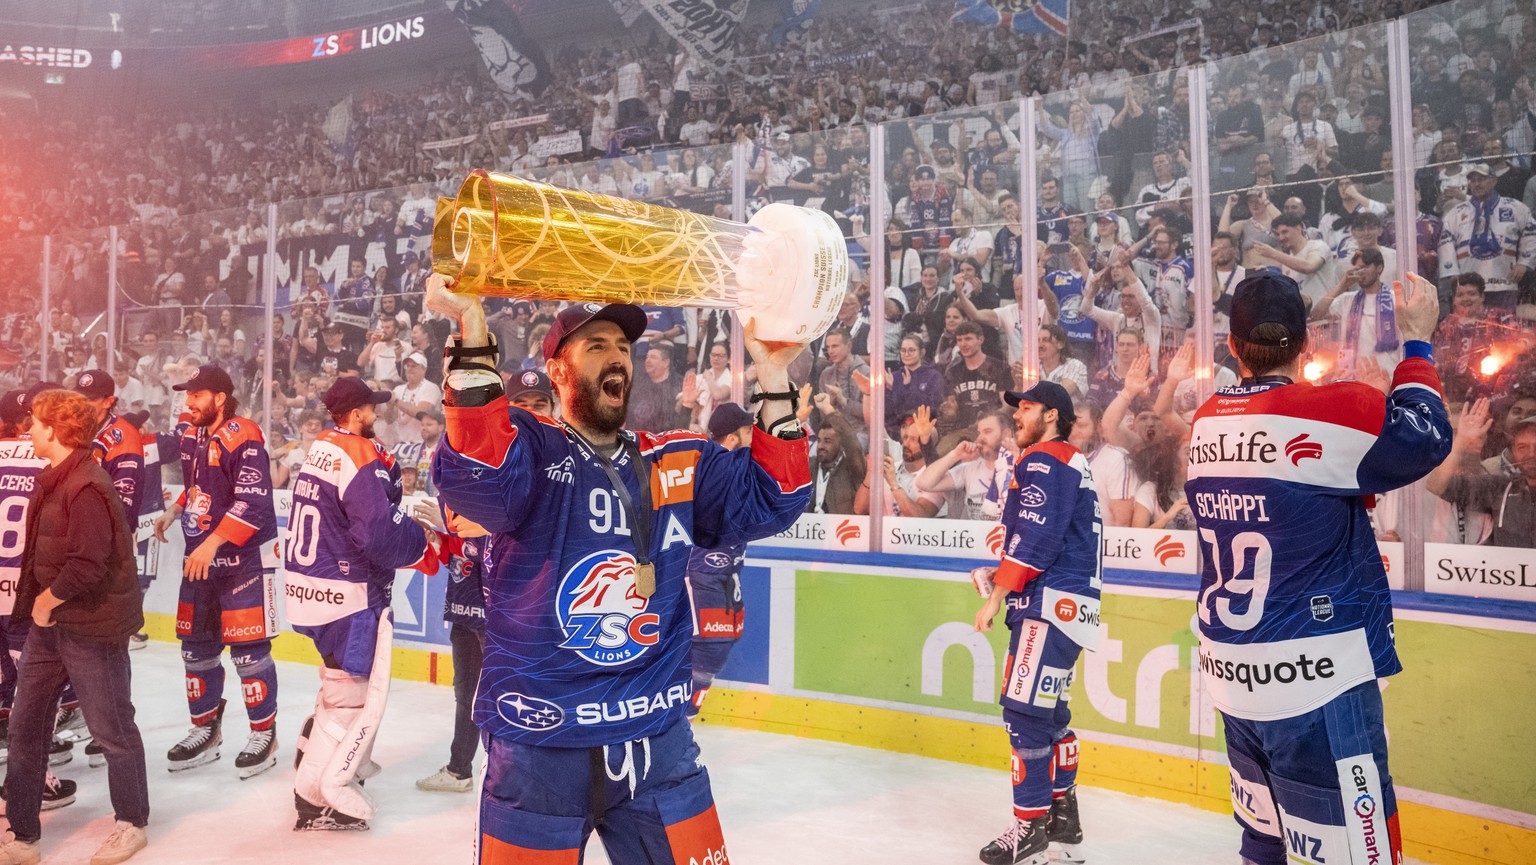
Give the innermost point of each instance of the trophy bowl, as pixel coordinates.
(786, 270)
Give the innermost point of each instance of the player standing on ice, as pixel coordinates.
(1050, 577)
(1295, 613)
(714, 575)
(227, 595)
(584, 686)
(347, 535)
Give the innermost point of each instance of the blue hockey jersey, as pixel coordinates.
(228, 492)
(346, 537)
(119, 450)
(1052, 550)
(574, 655)
(1294, 606)
(464, 599)
(18, 475)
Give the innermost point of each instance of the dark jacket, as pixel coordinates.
(78, 545)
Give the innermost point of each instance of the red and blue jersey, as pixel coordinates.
(229, 493)
(1294, 607)
(464, 600)
(119, 449)
(18, 477)
(346, 537)
(1051, 561)
(575, 655)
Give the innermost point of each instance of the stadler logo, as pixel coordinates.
(847, 531)
(529, 713)
(995, 541)
(1302, 448)
(1167, 550)
(603, 617)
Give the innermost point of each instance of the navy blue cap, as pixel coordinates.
(1047, 393)
(13, 406)
(208, 377)
(95, 384)
(348, 393)
(630, 318)
(727, 418)
(36, 389)
(1269, 297)
(530, 381)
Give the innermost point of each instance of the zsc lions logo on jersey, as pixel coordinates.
(604, 619)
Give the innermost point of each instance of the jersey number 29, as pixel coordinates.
(1255, 584)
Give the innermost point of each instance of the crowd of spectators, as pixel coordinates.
(1300, 164)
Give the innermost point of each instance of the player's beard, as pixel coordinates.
(591, 409)
(367, 431)
(1030, 436)
(205, 418)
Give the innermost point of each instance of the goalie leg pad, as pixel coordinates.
(353, 756)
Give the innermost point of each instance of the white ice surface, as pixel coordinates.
(782, 799)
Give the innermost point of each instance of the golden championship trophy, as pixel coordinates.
(786, 270)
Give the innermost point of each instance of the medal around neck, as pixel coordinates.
(504, 236)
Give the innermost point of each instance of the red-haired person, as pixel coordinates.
(79, 585)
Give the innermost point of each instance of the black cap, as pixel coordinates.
(13, 406)
(137, 418)
(208, 377)
(348, 393)
(530, 381)
(727, 418)
(36, 389)
(1269, 297)
(1047, 393)
(95, 384)
(630, 318)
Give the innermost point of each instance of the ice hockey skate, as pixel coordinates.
(69, 725)
(57, 792)
(1025, 843)
(200, 746)
(316, 818)
(1064, 830)
(60, 752)
(259, 753)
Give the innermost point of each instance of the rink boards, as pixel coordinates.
(878, 650)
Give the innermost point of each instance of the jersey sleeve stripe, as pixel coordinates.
(787, 462)
(235, 530)
(1013, 574)
(482, 433)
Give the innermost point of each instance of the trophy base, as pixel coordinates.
(794, 274)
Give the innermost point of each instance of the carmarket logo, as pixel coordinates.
(1302, 448)
(1167, 549)
(847, 532)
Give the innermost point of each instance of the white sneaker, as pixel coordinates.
(126, 839)
(445, 781)
(13, 852)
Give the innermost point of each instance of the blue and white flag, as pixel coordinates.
(798, 15)
(1020, 16)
